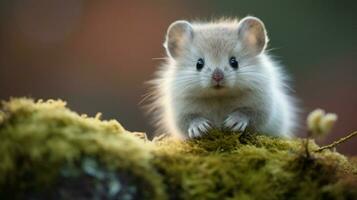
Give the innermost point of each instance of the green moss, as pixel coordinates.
(46, 150)
(37, 140)
(252, 166)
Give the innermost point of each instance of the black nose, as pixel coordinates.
(217, 75)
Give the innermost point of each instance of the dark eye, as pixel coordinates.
(233, 62)
(200, 63)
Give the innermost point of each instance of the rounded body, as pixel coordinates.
(234, 84)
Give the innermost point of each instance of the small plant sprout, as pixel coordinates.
(320, 123)
(327, 123)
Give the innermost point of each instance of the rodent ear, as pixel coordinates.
(252, 33)
(178, 34)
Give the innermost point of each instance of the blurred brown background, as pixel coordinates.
(96, 55)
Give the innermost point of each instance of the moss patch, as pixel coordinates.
(50, 152)
(252, 166)
(38, 141)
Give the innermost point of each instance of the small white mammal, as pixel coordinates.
(218, 75)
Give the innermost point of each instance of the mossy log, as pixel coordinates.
(50, 152)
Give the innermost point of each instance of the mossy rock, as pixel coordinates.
(50, 152)
(45, 149)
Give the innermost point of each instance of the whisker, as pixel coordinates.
(273, 49)
(254, 75)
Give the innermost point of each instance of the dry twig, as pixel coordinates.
(335, 143)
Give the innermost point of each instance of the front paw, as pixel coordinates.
(198, 127)
(236, 121)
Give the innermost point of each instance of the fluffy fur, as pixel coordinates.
(185, 101)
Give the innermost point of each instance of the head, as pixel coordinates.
(214, 58)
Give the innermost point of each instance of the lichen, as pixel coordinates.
(50, 152)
